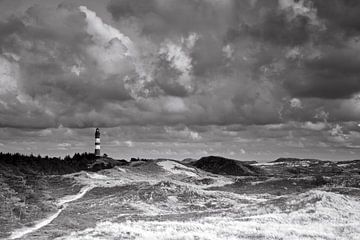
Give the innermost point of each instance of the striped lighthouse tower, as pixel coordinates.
(97, 142)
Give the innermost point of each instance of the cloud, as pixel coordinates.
(54, 65)
(174, 72)
(9, 73)
(295, 103)
(63, 146)
(185, 133)
(226, 71)
(129, 143)
(110, 78)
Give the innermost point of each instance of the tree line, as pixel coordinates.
(31, 164)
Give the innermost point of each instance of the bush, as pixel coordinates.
(319, 180)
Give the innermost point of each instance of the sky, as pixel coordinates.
(244, 79)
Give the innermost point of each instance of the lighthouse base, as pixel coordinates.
(97, 152)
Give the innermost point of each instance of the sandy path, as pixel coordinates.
(42, 223)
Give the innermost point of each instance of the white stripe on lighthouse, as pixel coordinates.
(97, 146)
(97, 140)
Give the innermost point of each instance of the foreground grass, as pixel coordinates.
(25, 199)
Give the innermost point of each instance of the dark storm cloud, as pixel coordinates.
(330, 69)
(275, 27)
(7, 28)
(343, 15)
(333, 75)
(166, 76)
(10, 26)
(164, 17)
(208, 55)
(124, 9)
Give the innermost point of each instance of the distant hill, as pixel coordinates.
(357, 161)
(298, 160)
(221, 165)
(304, 166)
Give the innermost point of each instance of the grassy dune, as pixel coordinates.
(287, 199)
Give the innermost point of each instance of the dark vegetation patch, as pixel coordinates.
(202, 181)
(347, 180)
(145, 192)
(105, 163)
(274, 186)
(225, 166)
(99, 192)
(352, 166)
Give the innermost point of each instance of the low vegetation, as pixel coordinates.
(30, 184)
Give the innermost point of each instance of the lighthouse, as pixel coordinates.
(97, 142)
